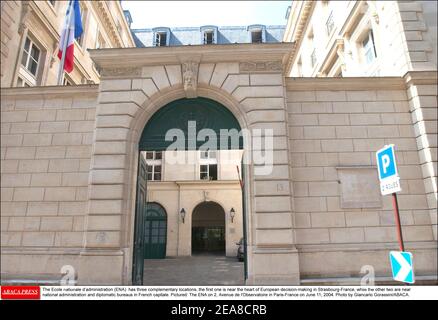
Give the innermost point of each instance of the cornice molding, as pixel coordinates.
(137, 57)
(421, 78)
(341, 84)
(297, 36)
(102, 11)
(42, 91)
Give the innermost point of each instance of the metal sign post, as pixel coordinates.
(397, 222)
(401, 261)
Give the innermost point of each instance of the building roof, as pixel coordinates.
(193, 35)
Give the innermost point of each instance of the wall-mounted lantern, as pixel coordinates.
(183, 214)
(232, 213)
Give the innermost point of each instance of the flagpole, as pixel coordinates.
(64, 45)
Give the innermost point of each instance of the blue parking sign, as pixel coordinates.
(386, 162)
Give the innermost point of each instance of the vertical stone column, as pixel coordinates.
(107, 224)
(422, 95)
(273, 258)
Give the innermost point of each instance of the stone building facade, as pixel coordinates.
(70, 165)
(35, 26)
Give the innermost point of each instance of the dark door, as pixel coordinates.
(138, 260)
(155, 232)
(208, 239)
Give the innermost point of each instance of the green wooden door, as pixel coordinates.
(138, 261)
(155, 232)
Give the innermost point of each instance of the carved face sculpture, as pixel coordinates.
(188, 79)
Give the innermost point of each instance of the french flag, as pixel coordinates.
(72, 29)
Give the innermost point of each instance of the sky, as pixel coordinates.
(150, 14)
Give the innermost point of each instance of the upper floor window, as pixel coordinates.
(208, 34)
(256, 37)
(31, 57)
(369, 47)
(208, 37)
(160, 39)
(154, 161)
(22, 83)
(161, 36)
(329, 24)
(67, 81)
(208, 165)
(81, 39)
(257, 33)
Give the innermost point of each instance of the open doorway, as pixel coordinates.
(208, 229)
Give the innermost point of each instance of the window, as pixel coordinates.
(52, 3)
(256, 36)
(369, 47)
(330, 24)
(160, 39)
(81, 39)
(257, 33)
(22, 83)
(208, 37)
(154, 165)
(313, 58)
(31, 57)
(30, 64)
(208, 165)
(66, 81)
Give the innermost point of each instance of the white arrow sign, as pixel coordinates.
(402, 266)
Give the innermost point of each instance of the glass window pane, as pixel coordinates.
(35, 53)
(149, 176)
(158, 155)
(212, 154)
(204, 168)
(33, 66)
(203, 175)
(27, 45)
(149, 155)
(157, 168)
(213, 171)
(24, 59)
(149, 169)
(157, 176)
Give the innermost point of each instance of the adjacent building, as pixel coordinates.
(30, 38)
(361, 38)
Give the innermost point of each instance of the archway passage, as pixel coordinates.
(208, 229)
(155, 231)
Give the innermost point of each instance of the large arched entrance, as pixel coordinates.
(183, 186)
(208, 229)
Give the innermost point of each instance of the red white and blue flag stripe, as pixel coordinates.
(72, 29)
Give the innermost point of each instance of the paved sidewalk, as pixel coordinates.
(194, 271)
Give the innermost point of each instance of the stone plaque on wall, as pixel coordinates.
(359, 187)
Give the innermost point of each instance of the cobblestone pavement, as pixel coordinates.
(194, 271)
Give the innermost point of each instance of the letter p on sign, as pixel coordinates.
(386, 162)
